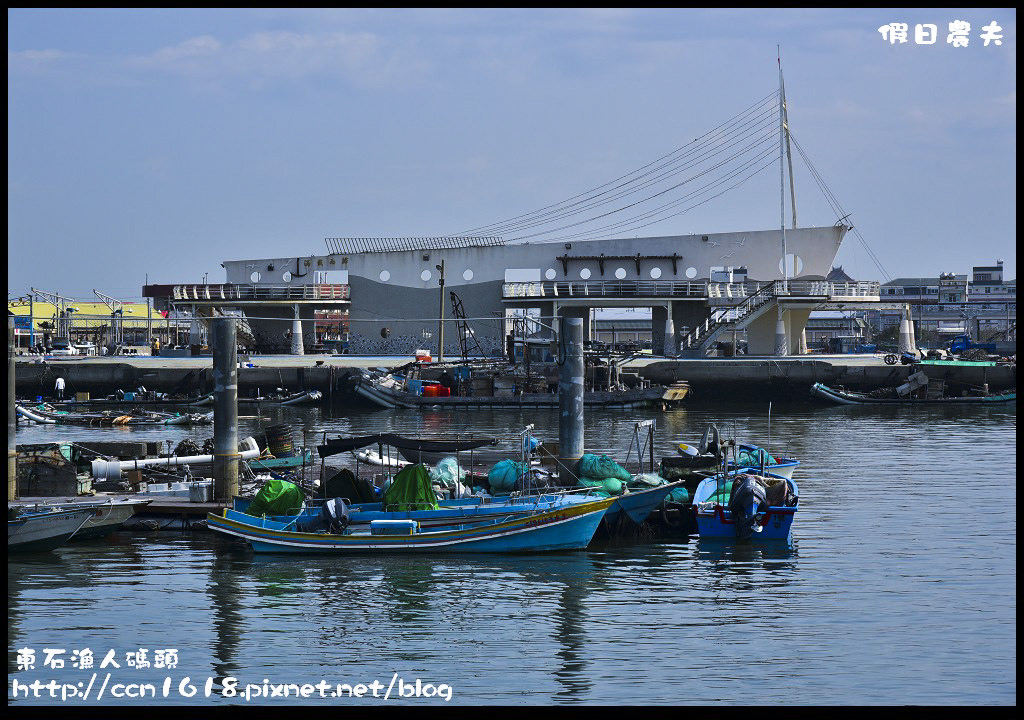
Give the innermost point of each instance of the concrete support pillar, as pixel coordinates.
(802, 347)
(225, 408)
(548, 317)
(670, 334)
(907, 344)
(659, 324)
(781, 341)
(570, 398)
(12, 418)
(297, 348)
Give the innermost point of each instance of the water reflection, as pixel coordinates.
(735, 556)
(225, 597)
(27, 573)
(745, 577)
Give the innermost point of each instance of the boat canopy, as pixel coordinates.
(339, 445)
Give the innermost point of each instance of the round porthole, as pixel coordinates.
(550, 273)
(794, 264)
(620, 273)
(585, 273)
(286, 276)
(691, 272)
(425, 275)
(255, 277)
(655, 273)
(384, 276)
(467, 275)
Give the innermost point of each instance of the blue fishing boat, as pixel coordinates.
(302, 459)
(636, 505)
(570, 527)
(744, 506)
(752, 457)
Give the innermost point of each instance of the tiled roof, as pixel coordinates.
(352, 246)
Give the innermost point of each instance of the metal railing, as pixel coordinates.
(633, 288)
(226, 292)
(722, 317)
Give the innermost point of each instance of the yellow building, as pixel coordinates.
(90, 322)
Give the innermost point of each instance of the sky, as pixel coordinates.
(152, 145)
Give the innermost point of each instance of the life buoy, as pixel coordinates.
(674, 524)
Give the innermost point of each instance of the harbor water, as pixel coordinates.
(899, 586)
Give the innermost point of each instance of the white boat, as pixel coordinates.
(106, 514)
(42, 531)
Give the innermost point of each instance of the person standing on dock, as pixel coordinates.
(59, 387)
(155, 348)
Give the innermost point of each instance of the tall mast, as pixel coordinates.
(789, 151)
(782, 179)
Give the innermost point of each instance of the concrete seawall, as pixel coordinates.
(100, 376)
(791, 377)
(713, 378)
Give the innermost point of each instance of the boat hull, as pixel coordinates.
(717, 524)
(566, 528)
(783, 468)
(105, 517)
(638, 505)
(840, 397)
(42, 532)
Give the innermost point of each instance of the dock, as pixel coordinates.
(709, 378)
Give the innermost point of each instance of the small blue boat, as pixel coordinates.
(752, 457)
(303, 458)
(570, 527)
(750, 511)
(636, 505)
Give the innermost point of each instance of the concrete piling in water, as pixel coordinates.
(225, 408)
(12, 418)
(570, 398)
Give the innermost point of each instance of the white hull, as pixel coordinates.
(45, 531)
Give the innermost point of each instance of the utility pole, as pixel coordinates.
(440, 322)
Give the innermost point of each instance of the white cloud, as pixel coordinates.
(35, 61)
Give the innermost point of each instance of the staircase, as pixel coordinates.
(723, 319)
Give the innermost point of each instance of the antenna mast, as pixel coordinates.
(782, 178)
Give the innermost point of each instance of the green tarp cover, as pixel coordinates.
(601, 467)
(721, 496)
(751, 457)
(277, 497)
(608, 486)
(410, 490)
(505, 474)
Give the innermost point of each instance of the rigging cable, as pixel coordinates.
(666, 161)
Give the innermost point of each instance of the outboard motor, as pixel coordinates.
(333, 518)
(747, 500)
(711, 443)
